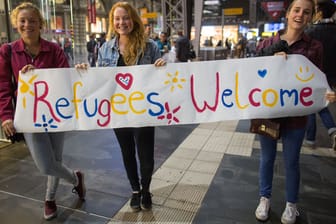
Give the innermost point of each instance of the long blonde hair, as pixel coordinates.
(137, 37)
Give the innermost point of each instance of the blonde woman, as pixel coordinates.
(27, 53)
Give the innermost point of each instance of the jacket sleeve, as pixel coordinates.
(155, 51)
(7, 89)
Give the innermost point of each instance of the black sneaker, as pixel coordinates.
(80, 188)
(146, 202)
(135, 202)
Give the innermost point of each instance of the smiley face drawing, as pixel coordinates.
(304, 73)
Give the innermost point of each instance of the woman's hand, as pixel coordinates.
(27, 68)
(331, 96)
(83, 66)
(8, 128)
(281, 53)
(160, 62)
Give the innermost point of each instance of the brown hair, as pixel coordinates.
(326, 7)
(291, 6)
(137, 37)
(292, 3)
(23, 6)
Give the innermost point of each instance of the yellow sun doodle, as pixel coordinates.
(25, 88)
(307, 71)
(174, 81)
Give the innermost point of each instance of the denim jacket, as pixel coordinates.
(108, 54)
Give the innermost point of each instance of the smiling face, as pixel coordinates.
(122, 21)
(299, 14)
(28, 24)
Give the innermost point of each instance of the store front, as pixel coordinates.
(3, 24)
(65, 20)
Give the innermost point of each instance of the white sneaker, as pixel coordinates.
(289, 214)
(333, 141)
(309, 144)
(263, 208)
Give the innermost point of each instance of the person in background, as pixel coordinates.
(148, 30)
(292, 40)
(163, 43)
(30, 52)
(241, 46)
(171, 56)
(128, 45)
(68, 49)
(183, 47)
(101, 40)
(90, 47)
(324, 30)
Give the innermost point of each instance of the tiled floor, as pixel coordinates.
(204, 173)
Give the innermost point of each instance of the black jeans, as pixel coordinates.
(142, 141)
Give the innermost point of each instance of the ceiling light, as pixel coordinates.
(211, 2)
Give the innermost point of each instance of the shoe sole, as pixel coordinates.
(263, 220)
(136, 209)
(146, 208)
(50, 216)
(309, 145)
(334, 143)
(286, 222)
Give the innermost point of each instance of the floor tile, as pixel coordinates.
(177, 163)
(204, 167)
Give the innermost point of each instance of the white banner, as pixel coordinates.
(51, 100)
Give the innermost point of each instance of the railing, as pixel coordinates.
(213, 53)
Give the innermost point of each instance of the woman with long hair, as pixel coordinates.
(30, 52)
(292, 40)
(129, 45)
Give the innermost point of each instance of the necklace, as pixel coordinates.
(33, 55)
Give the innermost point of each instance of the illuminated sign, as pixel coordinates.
(233, 11)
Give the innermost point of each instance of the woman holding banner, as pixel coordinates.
(129, 45)
(292, 40)
(23, 55)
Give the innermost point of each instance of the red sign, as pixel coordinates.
(92, 10)
(274, 9)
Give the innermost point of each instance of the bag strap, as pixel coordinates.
(9, 51)
(14, 83)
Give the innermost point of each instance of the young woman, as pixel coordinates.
(27, 53)
(298, 15)
(129, 45)
(324, 30)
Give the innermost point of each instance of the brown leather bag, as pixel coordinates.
(265, 127)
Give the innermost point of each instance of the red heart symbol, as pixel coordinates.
(124, 80)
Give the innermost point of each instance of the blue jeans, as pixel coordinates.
(327, 120)
(292, 141)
